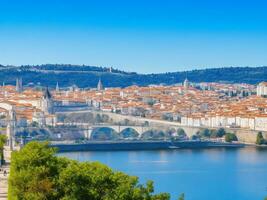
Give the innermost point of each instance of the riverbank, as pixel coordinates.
(142, 145)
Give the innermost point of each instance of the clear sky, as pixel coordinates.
(135, 35)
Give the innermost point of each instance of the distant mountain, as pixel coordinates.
(88, 76)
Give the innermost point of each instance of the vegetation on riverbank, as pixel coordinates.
(38, 174)
(2, 143)
(260, 139)
(230, 137)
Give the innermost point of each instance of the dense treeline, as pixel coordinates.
(87, 76)
(38, 174)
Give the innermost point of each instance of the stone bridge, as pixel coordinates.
(140, 130)
(243, 135)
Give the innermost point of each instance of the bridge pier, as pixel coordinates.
(88, 133)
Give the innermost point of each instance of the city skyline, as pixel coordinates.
(145, 37)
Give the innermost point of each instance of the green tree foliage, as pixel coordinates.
(2, 143)
(220, 132)
(217, 133)
(230, 137)
(260, 140)
(195, 137)
(206, 133)
(181, 132)
(181, 197)
(37, 174)
(34, 173)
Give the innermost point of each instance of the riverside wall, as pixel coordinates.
(142, 145)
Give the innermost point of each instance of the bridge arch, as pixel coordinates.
(129, 132)
(153, 134)
(103, 133)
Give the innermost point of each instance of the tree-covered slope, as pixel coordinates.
(87, 76)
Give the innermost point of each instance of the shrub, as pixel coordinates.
(38, 174)
(260, 140)
(230, 137)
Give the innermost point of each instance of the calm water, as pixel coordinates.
(217, 174)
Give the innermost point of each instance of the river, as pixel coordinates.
(202, 174)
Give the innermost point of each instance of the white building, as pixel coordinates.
(262, 89)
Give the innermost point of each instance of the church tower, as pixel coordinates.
(100, 85)
(186, 84)
(57, 87)
(11, 126)
(47, 104)
(19, 87)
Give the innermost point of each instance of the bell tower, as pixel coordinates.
(11, 126)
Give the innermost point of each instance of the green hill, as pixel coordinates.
(87, 76)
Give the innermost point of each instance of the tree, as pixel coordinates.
(34, 173)
(146, 123)
(34, 124)
(205, 133)
(181, 197)
(217, 133)
(230, 137)
(96, 181)
(260, 140)
(3, 140)
(220, 132)
(181, 132)
(195, 137)
(38, 174)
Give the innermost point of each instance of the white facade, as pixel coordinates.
(253, 123)
(262, 89)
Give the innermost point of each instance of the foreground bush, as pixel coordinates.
(37, 174)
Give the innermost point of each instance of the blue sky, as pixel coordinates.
(141, 35)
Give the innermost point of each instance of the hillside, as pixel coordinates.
(87, 76)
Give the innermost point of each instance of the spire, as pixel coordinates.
(19, 85)
(100, 85)
(47, 94)
(57, 87)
